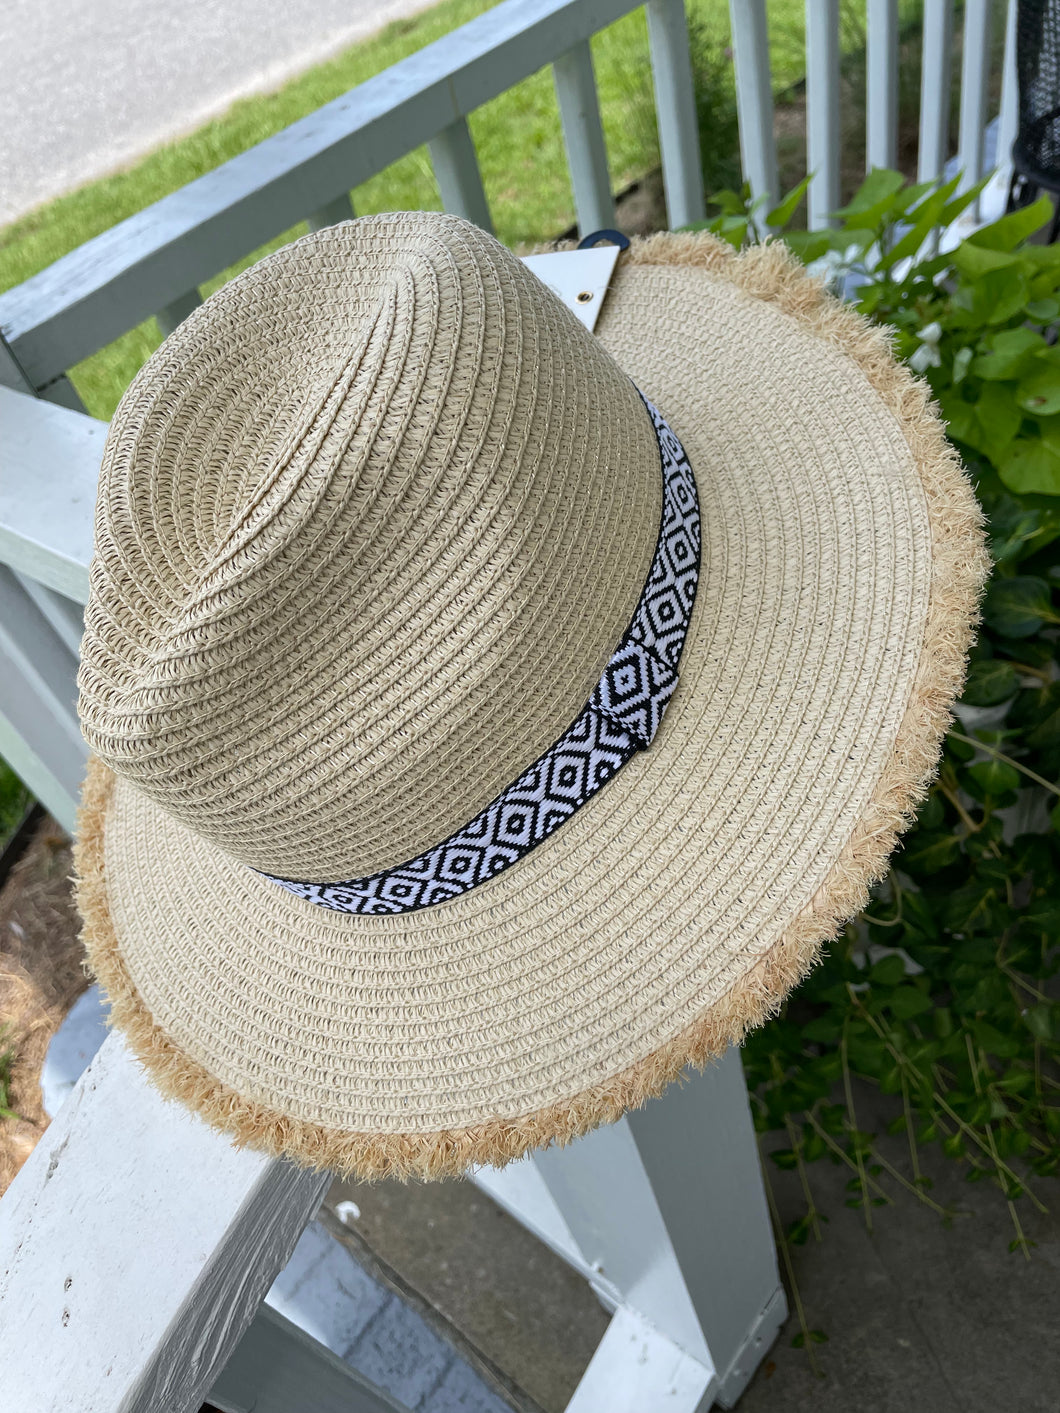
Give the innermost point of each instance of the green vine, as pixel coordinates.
(944, 994)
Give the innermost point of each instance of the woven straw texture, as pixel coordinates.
(369, 527)
(843, 559)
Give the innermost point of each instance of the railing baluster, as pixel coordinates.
(754, 96)
(675, 106)
(975, 78)
(935, 78)
(173, 314)
(1010, 98)
(459, 179)
(583, 137)
(881, 134)
(330, 214)
(822, 110)
(39, 734)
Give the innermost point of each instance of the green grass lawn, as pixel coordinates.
(517, 136)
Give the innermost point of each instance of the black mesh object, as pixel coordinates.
(1036, 151)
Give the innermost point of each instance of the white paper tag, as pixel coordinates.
(579, 277)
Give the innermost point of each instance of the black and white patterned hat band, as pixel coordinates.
(620, 718)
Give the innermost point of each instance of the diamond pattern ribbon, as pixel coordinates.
(622, 717)
(635, 690)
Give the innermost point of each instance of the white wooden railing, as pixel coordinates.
(136, 1244)
(154, 262)
(755, 97)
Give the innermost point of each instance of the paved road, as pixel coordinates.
(86, 86)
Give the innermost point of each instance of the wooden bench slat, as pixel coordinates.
(136, 1245)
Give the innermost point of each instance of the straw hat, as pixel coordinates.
(374, 526)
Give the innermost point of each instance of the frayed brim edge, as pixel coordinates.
(959, 569)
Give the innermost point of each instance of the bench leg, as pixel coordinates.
(665, 1213)
(698, 1148)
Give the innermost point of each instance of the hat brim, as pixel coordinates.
(843, 560)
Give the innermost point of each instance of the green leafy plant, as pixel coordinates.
(8, 1056)
(715, 91)
(15, 799)
(944, 995)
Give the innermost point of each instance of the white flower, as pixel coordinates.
(826, 266)
(834, 266)
(927, 355)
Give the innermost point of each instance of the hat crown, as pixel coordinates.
(370, 524)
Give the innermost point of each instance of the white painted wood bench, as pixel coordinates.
(136, 1246)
